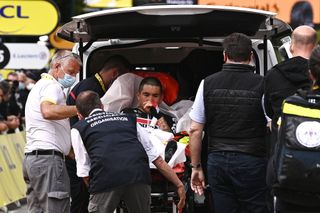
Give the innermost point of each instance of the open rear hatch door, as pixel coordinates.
(167, 21)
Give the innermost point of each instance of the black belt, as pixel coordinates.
(46, 152)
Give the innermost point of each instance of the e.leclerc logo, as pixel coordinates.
(27, 17)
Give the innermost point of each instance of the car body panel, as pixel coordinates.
(168, 21)
(162, 37)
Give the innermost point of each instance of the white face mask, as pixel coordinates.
(67, 80)
(30, 86)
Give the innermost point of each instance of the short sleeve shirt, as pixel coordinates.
(42, 133)
(197, 112)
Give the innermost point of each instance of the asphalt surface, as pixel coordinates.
(20, 207)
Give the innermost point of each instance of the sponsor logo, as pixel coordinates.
(33, 17)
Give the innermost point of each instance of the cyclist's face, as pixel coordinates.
(150, 93)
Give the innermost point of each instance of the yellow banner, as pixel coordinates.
(4, 198)
(4, 73)
(27, 17)
(12, 184)
(59, 43)
(15, 148)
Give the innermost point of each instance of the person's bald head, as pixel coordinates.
(86, 102)
(304, 39)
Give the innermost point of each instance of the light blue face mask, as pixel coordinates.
(67, 81)
(22, 86)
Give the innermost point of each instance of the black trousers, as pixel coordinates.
(79, 191)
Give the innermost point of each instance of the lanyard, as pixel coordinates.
(47, 76)
(98, 77)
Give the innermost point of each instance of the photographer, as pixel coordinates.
(14, 107)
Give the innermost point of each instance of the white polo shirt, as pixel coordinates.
(42, 133)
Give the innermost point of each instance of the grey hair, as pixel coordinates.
(61, 55)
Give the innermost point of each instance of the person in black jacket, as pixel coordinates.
(285, 78)
(100, 82)
(289, 200)
(228, 104)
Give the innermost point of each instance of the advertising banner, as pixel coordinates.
(24, 56)
(59, 43)
(27, 17)
(284, 9)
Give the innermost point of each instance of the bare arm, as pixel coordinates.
(71, 154)
(167, 171)
(196, 142)
(197, 175)
(3, 126)
(86, 181)
(12, 122)
(52, 111)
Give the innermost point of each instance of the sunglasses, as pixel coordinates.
(13, 82)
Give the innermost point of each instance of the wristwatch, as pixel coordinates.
(196, 166)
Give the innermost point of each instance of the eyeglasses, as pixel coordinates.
(73, 55)
(76, 56)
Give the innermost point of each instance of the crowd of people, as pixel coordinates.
(74, 150)
(233, 107)
(14, 91)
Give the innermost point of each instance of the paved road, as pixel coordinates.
(13, 208)
(22, 209)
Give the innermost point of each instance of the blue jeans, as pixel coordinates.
(238, 182)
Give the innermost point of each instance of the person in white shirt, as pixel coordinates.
(48, 136)
(112, 154)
